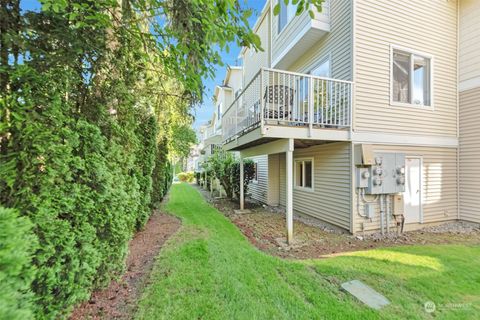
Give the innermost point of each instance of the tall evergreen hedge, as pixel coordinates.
(82, 175)
(86, 186)
(17, 243)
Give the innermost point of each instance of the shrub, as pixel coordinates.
(225, 167)
(162, 174)
(186, 177)
(85, 183)
(17, 244)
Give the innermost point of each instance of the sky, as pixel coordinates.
(203, 113)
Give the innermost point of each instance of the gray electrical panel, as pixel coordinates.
(363, 176)
(385, 176)
(369, 210)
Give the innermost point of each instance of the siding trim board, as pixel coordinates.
(404, 139)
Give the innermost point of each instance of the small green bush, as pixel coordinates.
(225, 167)
(17, 244)
(186, 177)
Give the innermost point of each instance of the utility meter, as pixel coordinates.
(387, 175)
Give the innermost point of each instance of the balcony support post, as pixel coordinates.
(310, 105)
(242, 196)
(236, 121)
(262, 104)
(289, 176)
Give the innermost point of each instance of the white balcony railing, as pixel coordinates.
(209, 132)
(276, 97)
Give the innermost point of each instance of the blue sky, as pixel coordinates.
(204, 112)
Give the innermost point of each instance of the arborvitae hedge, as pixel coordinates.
(16, 272)
(81, 153)
(85, 185)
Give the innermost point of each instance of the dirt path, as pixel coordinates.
(265, 229)
(118, 301)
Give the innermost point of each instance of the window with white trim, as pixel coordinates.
(411, 78)
(286, 14)
(304, 173)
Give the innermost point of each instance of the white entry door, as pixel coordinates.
(413, 189)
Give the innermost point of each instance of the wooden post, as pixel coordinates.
(242, 196)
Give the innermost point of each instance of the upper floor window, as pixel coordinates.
(287, 12)
(304, 173)
(411, 78)
(219, 111)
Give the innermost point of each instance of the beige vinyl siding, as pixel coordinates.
(470, 155)
(469, 42)
(439, 185)
(258, 189)
(252, 60)
(428, 26)
(330, 199)
(337, 43)
(273, 179)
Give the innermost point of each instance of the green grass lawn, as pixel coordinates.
(208, 270)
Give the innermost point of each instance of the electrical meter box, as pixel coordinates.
(386, 174)
(369, 210)
(363, 176)
(398, 205)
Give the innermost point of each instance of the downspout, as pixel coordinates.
(352, 191)
(382, 214)
(387, 199)
(352, 115)
(458, 111)
(353, 68)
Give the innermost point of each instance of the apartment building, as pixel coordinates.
(211, 133)
(355, 116)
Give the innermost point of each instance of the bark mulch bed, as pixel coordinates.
(119, 300)
(265, 228)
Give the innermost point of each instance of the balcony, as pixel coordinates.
(299, 35)
(281, 104)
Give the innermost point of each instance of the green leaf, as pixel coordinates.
(276, 9)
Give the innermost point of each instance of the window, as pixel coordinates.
(304, 173)
(411, 78)
(322, 69)
(287, 12)
(219, 111)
